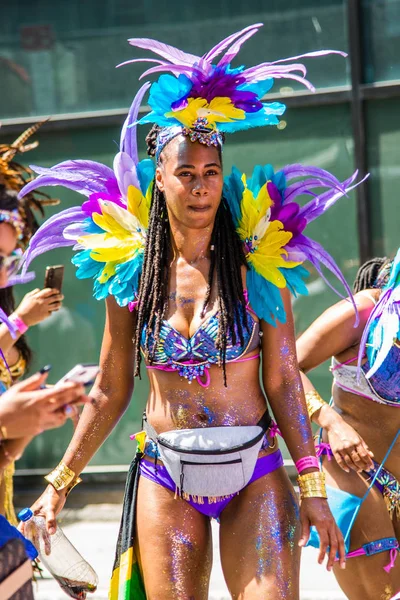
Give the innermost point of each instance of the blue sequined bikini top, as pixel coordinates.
(383, 387)
(192, 357)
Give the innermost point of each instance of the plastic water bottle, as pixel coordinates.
(75, 576)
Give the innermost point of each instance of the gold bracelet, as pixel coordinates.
(63, 478)
(314, 402)
(312, 485)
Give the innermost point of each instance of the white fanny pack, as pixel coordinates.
(211, 461)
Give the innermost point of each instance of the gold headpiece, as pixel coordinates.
(13, 176)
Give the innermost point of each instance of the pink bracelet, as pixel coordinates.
(307, 462)
(19, 323)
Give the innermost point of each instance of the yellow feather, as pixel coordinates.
(219, 110)
(107, 272)
(139, 205)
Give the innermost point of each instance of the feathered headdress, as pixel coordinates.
(13, 176)
(109, 230)
(203, 93)
(383, 326)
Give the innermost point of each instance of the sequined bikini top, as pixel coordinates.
(382, 387)
(192, 357)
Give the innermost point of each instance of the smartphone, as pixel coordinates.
(85, 374)
(54, 277)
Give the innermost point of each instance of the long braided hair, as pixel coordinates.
(227, 258)
(369, 272)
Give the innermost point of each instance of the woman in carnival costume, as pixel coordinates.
(197, 275)
(361, 428)
(17, 225)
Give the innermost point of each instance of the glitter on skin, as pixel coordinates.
(183, 556)
(277, 530)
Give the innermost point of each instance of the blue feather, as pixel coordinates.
(294, 279)
(145, 170)
(265, 298)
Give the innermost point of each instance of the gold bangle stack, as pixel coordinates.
(312, 485)
(63, 478)
(314, 402)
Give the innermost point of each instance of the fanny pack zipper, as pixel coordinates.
(210, 452)
(228, 462)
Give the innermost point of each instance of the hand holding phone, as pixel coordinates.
(54, 277)
(81, 373)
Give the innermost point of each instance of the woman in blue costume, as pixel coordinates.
(197, 273)
(360, 444)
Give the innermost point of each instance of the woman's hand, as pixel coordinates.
(349, 449)
(26, 410)
(316, 511)
(48, 505)
(37, 305)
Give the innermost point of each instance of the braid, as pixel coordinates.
(368, 273)
(153, 287)
(151, 140)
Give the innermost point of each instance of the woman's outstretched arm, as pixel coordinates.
(282, 383)
(330, 335)
(110, 395)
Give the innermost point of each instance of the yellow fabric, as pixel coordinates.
(6, 474)
(122, 573)
(6, 494)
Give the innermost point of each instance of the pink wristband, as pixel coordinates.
(307, 462)
(19, 323)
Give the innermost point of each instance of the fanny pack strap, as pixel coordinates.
(264, 423)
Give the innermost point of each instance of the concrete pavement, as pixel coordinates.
(93, 530)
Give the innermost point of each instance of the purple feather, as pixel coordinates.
(90, 167)
(315, 208)
(82, 176)
(74, 231)
(137, 60)
(128, 142)
(234, 49)
(52, 243)
(18, 279)
(261, 73)
(298, 170)
(305, 187)
(316, 254)
(175, 69)
(125, 171)
(170, 53)
(216, 51)
(52, 228)
(310, 55)
(274, 193)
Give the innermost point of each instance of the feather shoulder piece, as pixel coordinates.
(383, 326)
(108, 230)
(271, 225)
